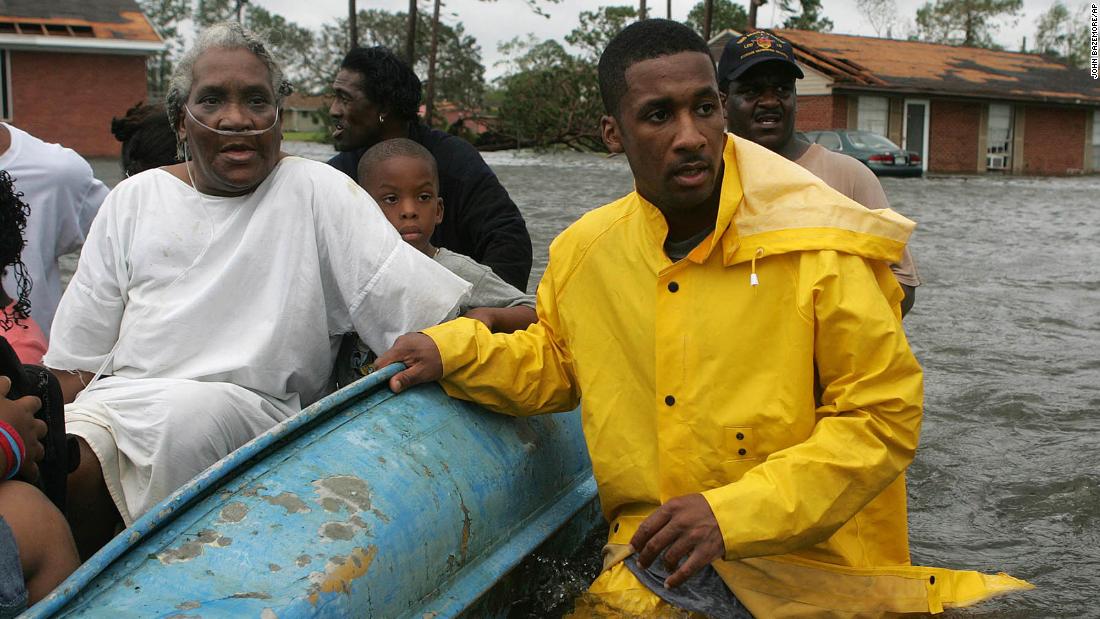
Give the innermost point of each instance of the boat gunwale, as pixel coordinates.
(236, 463)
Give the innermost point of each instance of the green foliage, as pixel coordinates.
(291, 44)
(209, 12)
(550, 97)
(598, 27)
(312, 57)
(725, 15)
(1063, 35)
(460, 76)
(805, 16)
(963, 22)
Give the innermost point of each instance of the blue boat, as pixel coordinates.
(366, 504)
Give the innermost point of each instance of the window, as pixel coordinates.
(829, 140)
(1096, 140)
(998, 154)
(865, 140)
(872, 114)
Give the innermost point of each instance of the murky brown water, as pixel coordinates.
(1007, 327)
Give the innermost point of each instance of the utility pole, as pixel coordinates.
(752, 13)
(669, 16)
(240, 10)
(410, 41)
(353, 26)
(429, 99)
(708, 17)
(641, 10)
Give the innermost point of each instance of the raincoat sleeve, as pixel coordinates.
(867, 424)
(522, 373)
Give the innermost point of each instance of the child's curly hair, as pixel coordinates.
(13, 221)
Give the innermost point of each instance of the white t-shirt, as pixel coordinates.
(248, 290)
(63, 197)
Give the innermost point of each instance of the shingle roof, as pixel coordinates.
(856, 62)
(119, 20)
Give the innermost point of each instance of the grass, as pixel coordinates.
(305, 136)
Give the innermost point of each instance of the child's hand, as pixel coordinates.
(20, 415)
(484, 314)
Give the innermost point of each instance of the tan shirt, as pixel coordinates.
(853, 179)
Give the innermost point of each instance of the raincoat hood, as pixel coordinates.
(771, 206)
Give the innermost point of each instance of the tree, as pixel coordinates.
(598, 27)
(165, 16)
(460, 75)
(1063, 36)
(549, 97)
(209, 12)
(726, 15)
(433, 50)
(291, 44)
(808, 18)
(963, 22)
(881, 14)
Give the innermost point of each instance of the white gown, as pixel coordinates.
(216, 318)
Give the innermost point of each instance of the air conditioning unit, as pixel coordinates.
(996, 162)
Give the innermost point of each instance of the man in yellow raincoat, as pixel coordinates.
(690, 318)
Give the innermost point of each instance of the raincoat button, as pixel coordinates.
(669, 400)
(740, 436)
(741, 451)
(673, 286)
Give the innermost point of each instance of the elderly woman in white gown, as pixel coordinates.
(211, 294)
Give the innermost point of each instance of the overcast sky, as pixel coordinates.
(500, 20)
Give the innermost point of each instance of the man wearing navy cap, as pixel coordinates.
(756, 76)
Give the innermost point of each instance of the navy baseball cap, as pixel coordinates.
(751, 49)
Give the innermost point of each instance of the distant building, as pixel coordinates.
(963, 109)
(67, 67)
(469, 122)
(305, 113)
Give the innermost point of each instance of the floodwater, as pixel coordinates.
(1007, 328)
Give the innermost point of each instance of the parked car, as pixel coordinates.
(876, 152)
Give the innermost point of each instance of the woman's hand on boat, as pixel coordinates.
(421, 358)
(683, 527)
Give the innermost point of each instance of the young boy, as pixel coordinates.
(402, 177)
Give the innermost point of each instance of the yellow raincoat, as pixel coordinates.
(698, 377)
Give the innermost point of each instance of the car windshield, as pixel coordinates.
(870, 141)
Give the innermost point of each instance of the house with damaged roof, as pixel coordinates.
(963, 109)
(68, 67)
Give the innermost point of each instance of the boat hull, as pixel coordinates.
(366, 504)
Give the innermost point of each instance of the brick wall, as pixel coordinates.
(953, 136)
(815, 112)
(70, 98)
(1054, 140)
